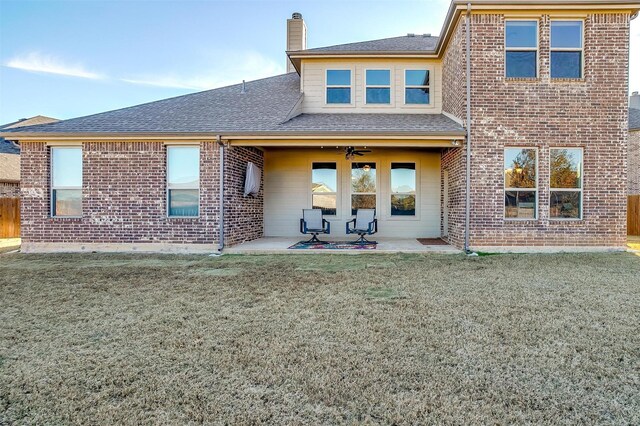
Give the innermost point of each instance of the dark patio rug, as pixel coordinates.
(334, 245)
(432, 242)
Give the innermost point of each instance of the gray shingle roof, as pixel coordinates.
(634, 119)
(7, 147)
(417, 43)
(266, 106)
(392, 123)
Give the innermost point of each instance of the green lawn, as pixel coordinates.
(319, 339)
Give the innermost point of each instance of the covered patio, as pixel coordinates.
(280, 245)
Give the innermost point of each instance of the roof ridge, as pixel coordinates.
(375, 40)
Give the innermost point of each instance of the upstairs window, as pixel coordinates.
(338, 86)
(521, 49)
(566, 49)
(566, 183)
(416, 87)
(378, 90)
(183, 181)
(520, 183)
(66, 182)
(324, 187)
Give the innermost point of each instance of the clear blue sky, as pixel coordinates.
(71, 58)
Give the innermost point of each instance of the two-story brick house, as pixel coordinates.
(509, 130)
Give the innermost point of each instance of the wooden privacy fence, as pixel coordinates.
(9, 217)
(633, 215)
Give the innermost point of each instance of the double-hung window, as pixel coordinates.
(378, 86)
(324, 186)
(566, 49)
(66, 181)
(520, 183)
(416, 86)
(566, 183)
(183, 181)
(363, 186)
(521, 49)
(338, 85)
(403, 189)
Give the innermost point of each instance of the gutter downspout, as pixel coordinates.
(468, 179)
(221, 191)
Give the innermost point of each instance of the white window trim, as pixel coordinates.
(536, 189)
(378, 86)
(392, 193)
(522, 49)
(567, 49)
(350, 86)
(581, 189)
(168, 186)
(406, 86)
(377, 193)
(53, 188)
(310, 203)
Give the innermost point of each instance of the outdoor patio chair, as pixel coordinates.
(313, 223)
(365, 223)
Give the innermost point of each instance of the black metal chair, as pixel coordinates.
(313, 223)
(365, 223)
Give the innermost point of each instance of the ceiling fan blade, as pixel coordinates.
(358, 153)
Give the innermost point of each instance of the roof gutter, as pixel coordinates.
(467, 215)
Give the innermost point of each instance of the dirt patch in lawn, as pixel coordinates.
(405, 339)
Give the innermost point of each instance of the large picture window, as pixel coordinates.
(378, 90)
(324, 187)
(520, 183)
(416, 86)
(566, 183)
(521, 49)
(363, 186)
(183, 181)
(403, 189)
(566, 49)
(66, 182)
(338, 86)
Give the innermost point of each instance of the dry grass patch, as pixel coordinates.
(117, 339)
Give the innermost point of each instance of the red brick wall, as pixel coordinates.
(590, 113)
(634, 163)
(9, 190)
(453, 160)
(454, 83)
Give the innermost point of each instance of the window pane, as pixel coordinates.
(566, 64)
(66, 167)
(565, 204)
(378, 96)
(67, 202)
(521, 33)
(338, 95)
(520, 204)
(566, 34)
(183, 167)
(403, 177)
(403, 205)
(566, 168)
(416, 78)
(362, 202)
(326, 202)
(338, 77)
(521, 64)
(363, 177)
(519, 168)
(378, 77)
(324, 177)
(183, 202)
(416, 96)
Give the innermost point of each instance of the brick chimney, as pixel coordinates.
(634, 100)
(296, 36)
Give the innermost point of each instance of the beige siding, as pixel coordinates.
(287, 190)
(313, 84)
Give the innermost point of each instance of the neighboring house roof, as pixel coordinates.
(634, 119)
(9, 168)
(266, 106)
(7, 147)
(408, 43)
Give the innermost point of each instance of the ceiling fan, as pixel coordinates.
(350, 152)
